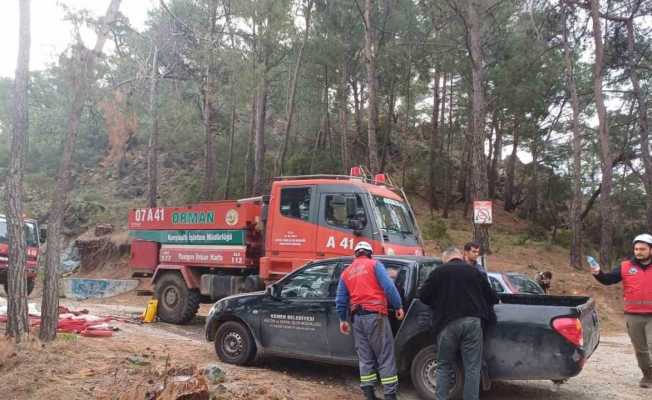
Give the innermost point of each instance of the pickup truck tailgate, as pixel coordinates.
(590, 327)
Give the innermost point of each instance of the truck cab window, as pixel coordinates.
(312, 282)
(345, 211)
(295, 203)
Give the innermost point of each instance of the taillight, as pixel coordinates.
(570, 329)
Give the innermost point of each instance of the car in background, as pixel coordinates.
(514, 283)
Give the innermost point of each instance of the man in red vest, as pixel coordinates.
(362, 295)
(636, 275)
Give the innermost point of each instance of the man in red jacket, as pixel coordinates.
(636, 276)
(362, 295)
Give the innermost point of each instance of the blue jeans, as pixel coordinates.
(462, 336)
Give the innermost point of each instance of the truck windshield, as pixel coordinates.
(31, 236)
(392, 215)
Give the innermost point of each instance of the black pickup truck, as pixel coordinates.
(535, 337)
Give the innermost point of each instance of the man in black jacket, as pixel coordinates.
(461, 300)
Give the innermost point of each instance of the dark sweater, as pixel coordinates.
(456, 290)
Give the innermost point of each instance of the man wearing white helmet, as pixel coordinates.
(362, 297)
(636, 275)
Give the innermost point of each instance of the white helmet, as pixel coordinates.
(643, 237)
(363, 246)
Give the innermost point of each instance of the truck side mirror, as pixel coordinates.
(273, 291)
(42, 235)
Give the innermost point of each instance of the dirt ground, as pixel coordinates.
(76, 367)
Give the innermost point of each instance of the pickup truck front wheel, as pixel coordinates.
(234, 343)
(424, 377)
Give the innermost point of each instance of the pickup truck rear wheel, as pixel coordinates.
(177, 304)
(423, 374)
(234, 343)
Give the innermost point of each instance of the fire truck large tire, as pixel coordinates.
(234, 343)
(177, 304)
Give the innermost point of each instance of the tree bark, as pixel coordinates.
(643, 124)
(511, 170)
(479, 190)
(152, 147)
(17, 321)
(606, 229)
(497, 156)
(250, 152)
(209, 114)
(81, 81)
(292, 89)
(343, 101)
(370, 59)
(576, 201)
(229, 161)
(261, 115)
(533, 192)
(434, 141)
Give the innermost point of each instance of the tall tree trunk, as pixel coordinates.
(442, 113)
(292, 89)
(370, 48)
(643, 124)
(511, 170)
(449, 173)
(261, 115)
(81, 82)
(479, 189)
(209, 111)
(576, 201)
(343, 104)
(358, 94)
(434, 141)
(389, 125)
(249, 168)
(606, 229)
(533, 192)
(229, 161)
(322, 133)
(250, 154)
(16, 286)
(497, 156)
(152, 147)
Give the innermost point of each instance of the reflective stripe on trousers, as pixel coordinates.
(374, 344)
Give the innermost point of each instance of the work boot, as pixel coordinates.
(390, 396)
(646, 382)
(369, 393)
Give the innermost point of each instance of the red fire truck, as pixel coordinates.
(206, 251)
(31, 261)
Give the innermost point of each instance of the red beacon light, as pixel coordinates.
(356, 171)
(380, 179)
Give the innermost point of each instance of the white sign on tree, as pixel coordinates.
(482, 213)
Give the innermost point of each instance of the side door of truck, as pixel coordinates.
(343, 221)
(296, 321)
(293, 227)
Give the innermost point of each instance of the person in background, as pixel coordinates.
(636, 275)
(472, 252)
(544, 279)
